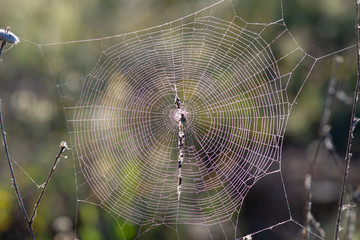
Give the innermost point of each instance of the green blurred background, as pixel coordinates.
(35, 121)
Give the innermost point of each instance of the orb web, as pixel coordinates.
(232, 78)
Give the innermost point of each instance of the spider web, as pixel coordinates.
(237, 82)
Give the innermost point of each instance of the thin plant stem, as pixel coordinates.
(13, 180)
(2, 47)
(353, 122)
(329, 99)
(62, 149)
(30, 221)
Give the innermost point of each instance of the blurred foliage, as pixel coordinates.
(35, 122)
